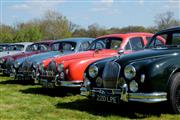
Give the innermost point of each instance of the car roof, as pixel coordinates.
(76, 39)
(126, 34)
(46, 41)
(23, 43)
(172, 29)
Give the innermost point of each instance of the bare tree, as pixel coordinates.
(166, 20)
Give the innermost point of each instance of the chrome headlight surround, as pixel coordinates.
(60, 67)
(35, 65)
(129, 72)
(93, 71)
(2, 60)
(16, 64)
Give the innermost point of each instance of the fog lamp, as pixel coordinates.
(99, 81)
(133, 86)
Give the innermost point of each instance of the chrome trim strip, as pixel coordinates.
(71, 83)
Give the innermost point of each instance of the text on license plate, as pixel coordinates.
(111, 99)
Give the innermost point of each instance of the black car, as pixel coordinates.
(151, 75)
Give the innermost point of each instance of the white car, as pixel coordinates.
(15, 48)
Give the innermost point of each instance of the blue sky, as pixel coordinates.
(107, 13)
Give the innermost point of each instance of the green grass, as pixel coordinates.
(20, 101)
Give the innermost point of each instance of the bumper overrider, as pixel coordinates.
(49, 81)
(117, 95)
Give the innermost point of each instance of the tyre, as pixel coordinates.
(174, 93)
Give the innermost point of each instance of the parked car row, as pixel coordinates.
(139, 67)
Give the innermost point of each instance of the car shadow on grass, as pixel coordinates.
(18, 82)
(129, 110)
(56, 92)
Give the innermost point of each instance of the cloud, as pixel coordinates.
(20, 7)
(102, 5)
(35, 7)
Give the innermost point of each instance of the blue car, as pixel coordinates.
(25, 68)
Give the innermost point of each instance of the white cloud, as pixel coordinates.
(35, 7)
(20, 7)
(102, 5)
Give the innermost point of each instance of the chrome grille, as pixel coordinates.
(111, 74)
(49, 73)
(26, 67)
(9, 63)
(52, 66)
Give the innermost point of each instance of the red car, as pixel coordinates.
(34, 48)
(67, 71)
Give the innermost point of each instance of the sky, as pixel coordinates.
(106, 13)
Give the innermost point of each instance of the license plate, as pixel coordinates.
(110, 99)
(47, 84)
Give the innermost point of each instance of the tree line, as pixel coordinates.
(54, 25)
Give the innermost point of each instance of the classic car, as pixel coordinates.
(25, 68)
(6, 62)
(67, 71)
(151, 75)
(4, 46)
(15, 48)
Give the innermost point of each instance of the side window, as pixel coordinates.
(98, 45)
(84, 46)
(55, 46)
(43, 47)
(136, 43)
(115, 44)
(148, 39)
(158, 41)
(176, 38)
(28, 48)
(33, 47)
(128, 46)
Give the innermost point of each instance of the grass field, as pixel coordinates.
(20, 100)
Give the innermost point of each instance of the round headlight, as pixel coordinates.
(41, 67)
(99, 81)
(16, 64)
(2, 60)
(133, 86)
(93, 71)
(60, 68)
(129, 72)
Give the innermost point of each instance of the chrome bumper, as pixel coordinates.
(154, 97)
(71, 83)
(53, 83)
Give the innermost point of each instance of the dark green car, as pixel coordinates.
(151, 75)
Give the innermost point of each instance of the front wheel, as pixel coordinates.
(174, 93)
